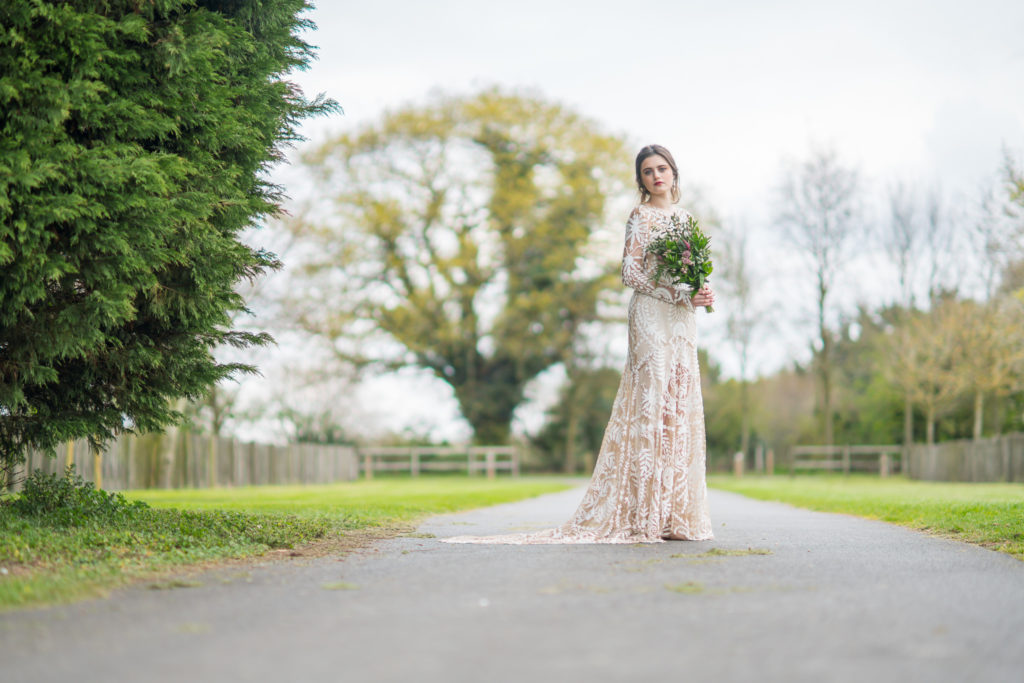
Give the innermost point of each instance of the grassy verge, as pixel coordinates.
(54, 557)
(990, 515)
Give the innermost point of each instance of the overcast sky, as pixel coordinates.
(925, 92)
(919, 90)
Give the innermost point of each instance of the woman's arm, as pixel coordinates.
(638, 266)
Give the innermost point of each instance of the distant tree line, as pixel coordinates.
(457, 236)
(943, 358)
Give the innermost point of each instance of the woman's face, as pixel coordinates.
(657, 176)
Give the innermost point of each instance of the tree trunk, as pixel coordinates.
(979, 407)
(745, 425)
(826, 381)
(572, 416)
(1000, 414)
(571, 428)
(908, 426)
(489, 403)
(930, 429)
(908, 421)
(825, 362)
(168, 451)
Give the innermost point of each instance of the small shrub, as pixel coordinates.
(69, 500)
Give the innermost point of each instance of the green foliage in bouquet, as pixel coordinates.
(134, 143)
(684, 254)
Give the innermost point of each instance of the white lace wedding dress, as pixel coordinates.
(648, 482)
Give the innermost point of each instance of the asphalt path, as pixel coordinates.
(801, 596)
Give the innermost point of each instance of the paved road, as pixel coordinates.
(838, 599)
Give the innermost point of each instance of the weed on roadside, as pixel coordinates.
(689, 587)
(722, 552)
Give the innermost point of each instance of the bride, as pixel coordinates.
(648, 483)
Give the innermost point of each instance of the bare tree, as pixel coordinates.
(901, 237)
(819, 209)
(942, 245)
(992, 239)
(745, 316)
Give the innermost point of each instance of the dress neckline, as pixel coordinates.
(651, 207)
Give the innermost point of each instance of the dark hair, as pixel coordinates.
(650, 151)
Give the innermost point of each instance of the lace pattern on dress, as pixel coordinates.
(649, 479)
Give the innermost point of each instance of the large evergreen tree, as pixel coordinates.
(134, 141)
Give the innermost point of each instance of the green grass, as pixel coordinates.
(361, 503)
(990, 515)
(48, 558)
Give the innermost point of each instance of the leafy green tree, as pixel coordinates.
(575, 426)
(870, 408)
(457, 237)
(921, 360)
(320, 428)
(134, 142)
(989, 352)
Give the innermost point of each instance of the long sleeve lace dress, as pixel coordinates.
(649, 479)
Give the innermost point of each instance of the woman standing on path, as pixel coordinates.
(649, 479)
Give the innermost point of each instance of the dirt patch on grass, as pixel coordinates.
(336, 545)
(349, 541)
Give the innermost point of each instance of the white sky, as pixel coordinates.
(915, 89)
(924, 91)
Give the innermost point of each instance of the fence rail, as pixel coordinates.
(884, 459)
(416, 459)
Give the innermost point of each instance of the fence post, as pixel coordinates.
(883, 465)
(1004, 442)
(414, 462)
(368, 465)
(489, 459)
(737, 464)
(211, 464)
(97, 469)
(769, 464)
(846, 459)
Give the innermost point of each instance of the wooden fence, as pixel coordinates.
(414, 460)
(999, 458)
(134, 462)
(884, 459)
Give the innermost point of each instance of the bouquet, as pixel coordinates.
(683, 254)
